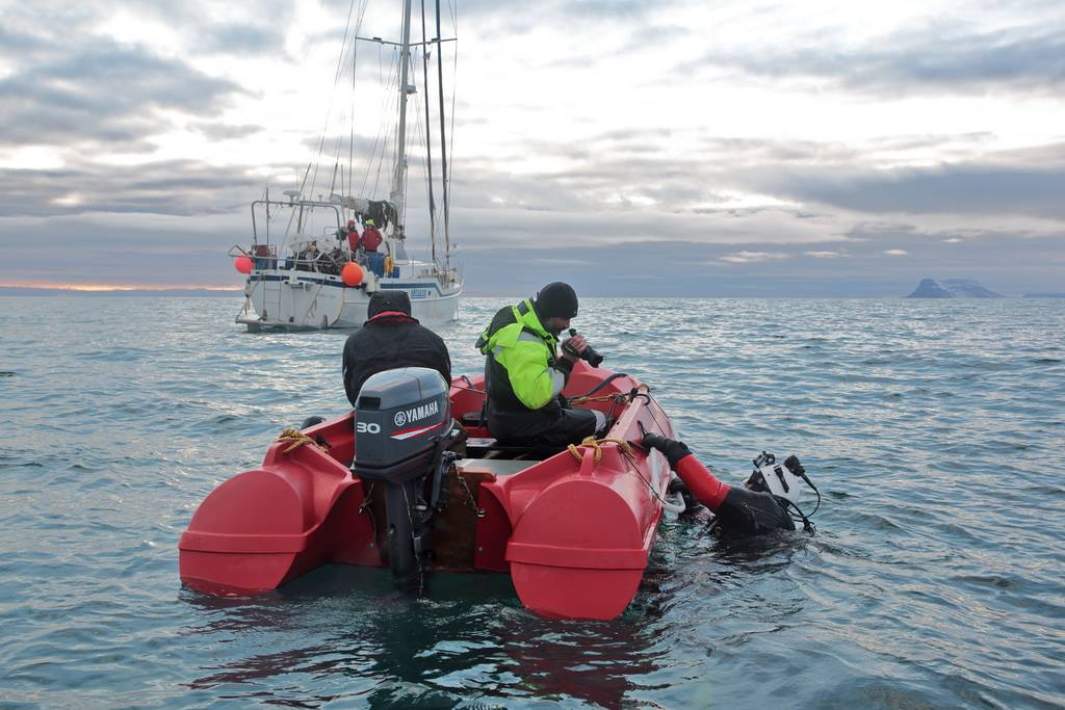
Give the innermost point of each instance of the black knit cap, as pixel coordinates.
(383, 301)
(556, 300)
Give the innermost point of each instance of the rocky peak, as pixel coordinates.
(952, 288)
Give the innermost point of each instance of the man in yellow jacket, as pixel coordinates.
(525, 374)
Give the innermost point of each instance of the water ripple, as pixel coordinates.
(934, 580)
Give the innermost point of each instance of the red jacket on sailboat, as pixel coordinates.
(371, 238)
(353, 237)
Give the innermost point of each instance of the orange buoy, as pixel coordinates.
(351, 274)
(243, 264)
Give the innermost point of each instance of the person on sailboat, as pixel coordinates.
(391, 338)
(307, 258)
(352, 235)
(370, 241)
(525, 375)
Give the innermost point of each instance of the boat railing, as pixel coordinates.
(323, 263)
(265, 258)
(303, 208)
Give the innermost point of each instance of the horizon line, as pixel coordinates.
(125, 289)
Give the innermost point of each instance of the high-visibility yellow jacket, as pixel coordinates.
(523, 372)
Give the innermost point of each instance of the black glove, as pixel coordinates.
(674, 450)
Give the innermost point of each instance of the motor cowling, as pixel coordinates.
(401, 416)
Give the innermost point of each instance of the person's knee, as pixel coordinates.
(582, 423)
(600, 422)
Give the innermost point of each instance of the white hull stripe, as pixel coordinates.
(403, 285)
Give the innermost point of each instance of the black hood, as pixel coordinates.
(383, 301)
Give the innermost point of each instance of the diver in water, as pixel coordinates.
(737, 510)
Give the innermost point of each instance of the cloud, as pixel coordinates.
(753, 257)
(103, 92)
(977, 188)
(165, 188)
(919, 57)
(245, 38)
(683, 268)
(219, 131)
(896, 252)
(634, 165)
(785, 151)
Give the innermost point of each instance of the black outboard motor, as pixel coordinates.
(403, 428)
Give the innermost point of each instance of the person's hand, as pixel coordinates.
(674, 450)
(573, 347)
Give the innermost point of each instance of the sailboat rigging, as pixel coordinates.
(341, 246)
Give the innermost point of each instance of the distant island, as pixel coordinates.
(1045, 295)
(952, 288)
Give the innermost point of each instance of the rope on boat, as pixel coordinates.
(596, 446)
(606, 381)
(365, 505)
(297, 438)
(477, 510)
(617, 397)
(469, 389)
(626, 453)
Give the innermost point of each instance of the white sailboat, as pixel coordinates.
(307, 277)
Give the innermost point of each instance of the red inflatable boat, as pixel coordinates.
(573, 528)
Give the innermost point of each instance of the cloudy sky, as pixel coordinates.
(668, 148)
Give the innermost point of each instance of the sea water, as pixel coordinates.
(936, 576)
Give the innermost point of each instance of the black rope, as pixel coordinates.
(651, 410)
(818, 506)
(603, 384)
(806, 524)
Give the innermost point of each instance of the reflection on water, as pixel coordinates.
(469, 639)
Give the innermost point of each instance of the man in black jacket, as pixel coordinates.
(388, 339)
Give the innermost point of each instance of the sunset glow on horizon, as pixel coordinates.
(105, 287)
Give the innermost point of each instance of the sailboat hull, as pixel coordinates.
(303, 300)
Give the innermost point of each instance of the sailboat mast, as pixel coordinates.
(443, 143)
(398, 197)
(428, 135)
